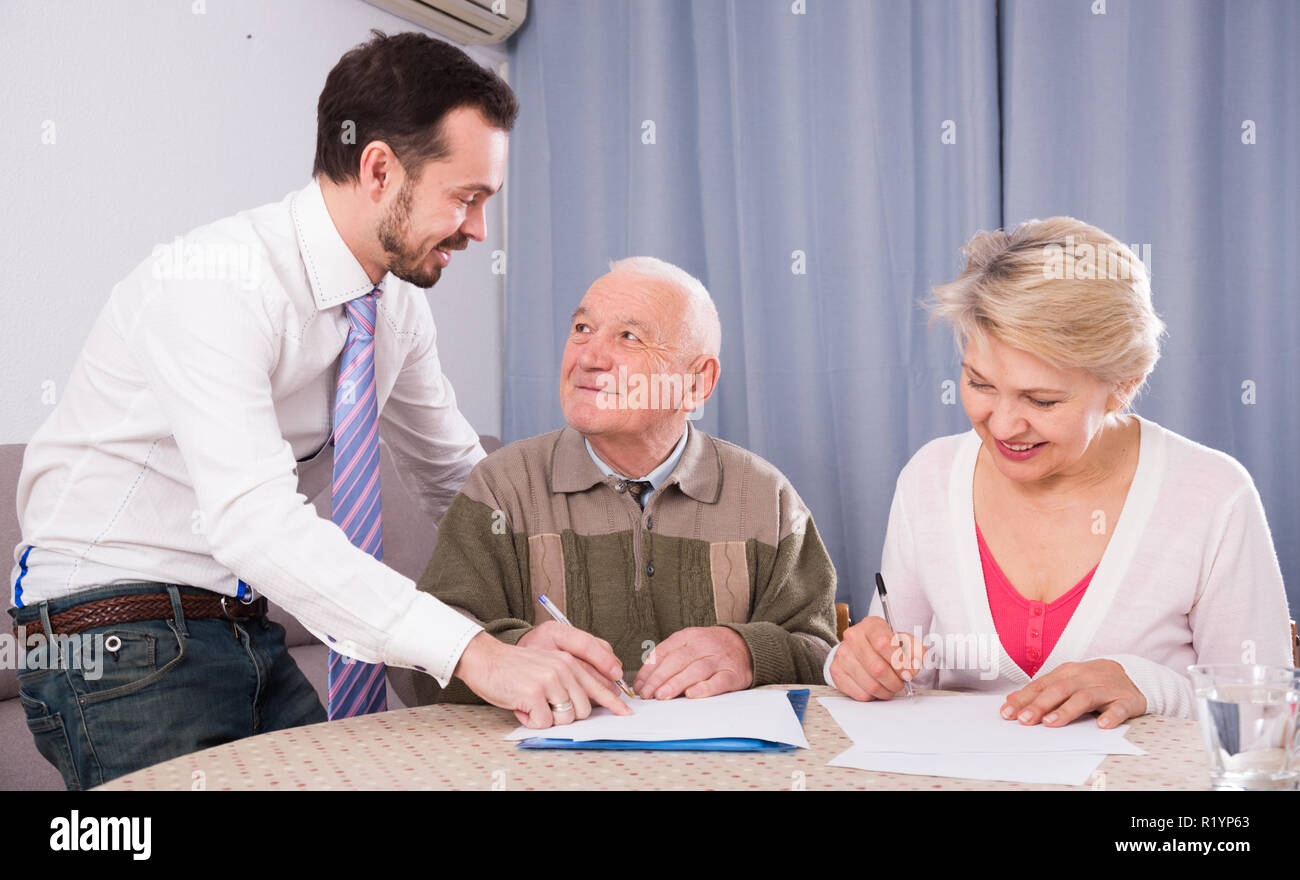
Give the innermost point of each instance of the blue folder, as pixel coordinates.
(798, 701)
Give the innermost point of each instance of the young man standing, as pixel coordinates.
(161, 500)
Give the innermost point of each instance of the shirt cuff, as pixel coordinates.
(430, 637)
(826, 669)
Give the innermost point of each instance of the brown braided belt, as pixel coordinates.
(145, 606)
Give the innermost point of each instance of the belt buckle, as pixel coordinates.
(225, 612)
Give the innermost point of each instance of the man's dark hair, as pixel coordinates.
(398, 90)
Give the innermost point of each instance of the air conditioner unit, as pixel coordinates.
(468, 22)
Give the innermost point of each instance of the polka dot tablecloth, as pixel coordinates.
(462, 747)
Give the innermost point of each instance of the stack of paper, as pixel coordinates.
(765, 715)
(965, 737)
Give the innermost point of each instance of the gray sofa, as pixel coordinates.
(408, 541)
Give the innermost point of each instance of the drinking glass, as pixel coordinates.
(1248, 722)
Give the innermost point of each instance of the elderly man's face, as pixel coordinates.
(623, 365)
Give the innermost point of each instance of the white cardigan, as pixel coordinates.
(1189, 575)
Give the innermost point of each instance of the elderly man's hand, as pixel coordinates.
(1072, 689)
(700, 661)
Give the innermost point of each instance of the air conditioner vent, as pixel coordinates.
(468, 22)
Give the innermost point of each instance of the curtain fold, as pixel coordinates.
(1139, 120)
(820, 171)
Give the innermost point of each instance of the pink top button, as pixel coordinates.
(1039, 624)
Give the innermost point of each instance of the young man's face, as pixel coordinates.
(441, 210)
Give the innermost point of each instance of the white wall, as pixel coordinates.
(164, 120)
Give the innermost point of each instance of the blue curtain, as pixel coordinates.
(1173, 125)
(818, 167)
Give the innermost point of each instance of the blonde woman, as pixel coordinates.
(1065, 551)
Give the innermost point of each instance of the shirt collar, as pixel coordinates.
(657, 476)
(697, 472)
(335, 275)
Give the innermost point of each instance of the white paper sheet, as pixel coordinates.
(1057, 768)
(749, 714)
(941, 725)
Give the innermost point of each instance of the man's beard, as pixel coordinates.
(408, 263)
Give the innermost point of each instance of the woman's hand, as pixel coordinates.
(873, 663)
(1072, 689)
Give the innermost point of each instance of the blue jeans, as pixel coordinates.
(169, 688)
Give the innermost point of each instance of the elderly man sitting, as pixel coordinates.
(670, 551)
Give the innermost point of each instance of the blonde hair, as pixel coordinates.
(1059, 289)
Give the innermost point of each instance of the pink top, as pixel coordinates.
(1028, 630)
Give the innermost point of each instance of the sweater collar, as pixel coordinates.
(656, 477)
(698, 472)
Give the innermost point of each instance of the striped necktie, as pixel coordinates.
(357, 688)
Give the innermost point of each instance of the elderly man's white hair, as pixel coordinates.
(703, 329)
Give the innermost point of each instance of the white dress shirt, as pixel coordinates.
(1189, 575)
(183, 446)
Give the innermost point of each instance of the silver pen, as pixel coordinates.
(559, 615)
(889, 619)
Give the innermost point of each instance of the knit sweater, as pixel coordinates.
(1189, 575)
(725, 541)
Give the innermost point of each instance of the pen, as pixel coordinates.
(889, 618)
(559, 615)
